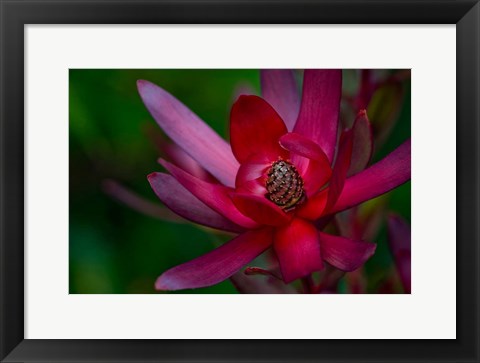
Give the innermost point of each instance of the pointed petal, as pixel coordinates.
(260, 209)
(380, 178)
(343, 253)
(383, 176)
(314, 207)
(298, 249)
(185, 204)
(318, 170)
(217, 265)
(255, 128)
(215, 196)
(320, 107)
(189, 132)
(339, 173)
(280, 89)
(362, 143)
(399, 239)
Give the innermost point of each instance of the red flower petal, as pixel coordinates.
(260, 209)
(189, 132)
(254, 168)
(318, 170)
(399, 238)
(383, 176)
(362, 143)
(185, 204)
(280, 89)
(256, 187)
(380, 178)
(318, 118)
(215, 196)
(255, 128)
(298, 249)
(343, 253)
(217, 265)
(342, 163)
(314, 207)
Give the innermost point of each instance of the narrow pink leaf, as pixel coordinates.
(380, 178)
(189, 132)
(217, 265)
(298, 249)
(320, 107)
(339, 173)
(383, 176)
(255, 128)
(185, 204)
(260, 209)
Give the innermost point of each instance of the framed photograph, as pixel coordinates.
(240, 181)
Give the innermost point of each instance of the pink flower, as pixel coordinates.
(281, 179)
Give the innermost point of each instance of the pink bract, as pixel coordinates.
(280, 141)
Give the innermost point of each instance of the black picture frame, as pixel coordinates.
(17, 13)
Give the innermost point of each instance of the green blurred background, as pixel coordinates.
(114, 249)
